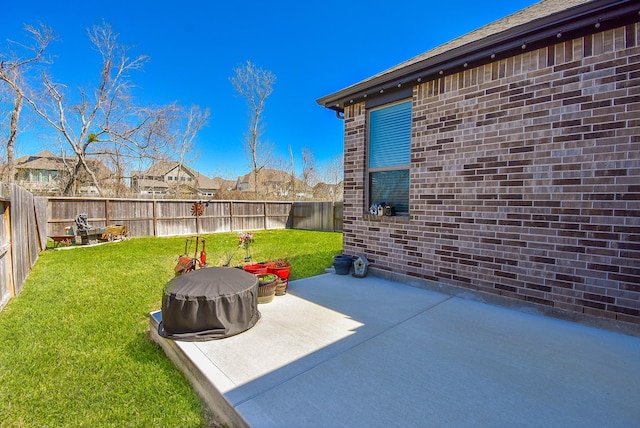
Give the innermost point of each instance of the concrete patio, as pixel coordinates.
(344, 351)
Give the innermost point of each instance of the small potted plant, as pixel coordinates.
(266, 287)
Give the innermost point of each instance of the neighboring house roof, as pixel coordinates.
(42, 160)
(206, 182)
(266, 177)
(45, 160)
(154, 178)
(539, 25)
(221, 183)
(145, 183)
(160, 169)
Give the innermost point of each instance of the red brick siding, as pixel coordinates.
(525, 180)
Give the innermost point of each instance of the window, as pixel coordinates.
(390, 155)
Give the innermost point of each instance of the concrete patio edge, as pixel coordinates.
(353, 352)
(201, 374)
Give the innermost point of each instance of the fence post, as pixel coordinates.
(155, 218)
(264, 213)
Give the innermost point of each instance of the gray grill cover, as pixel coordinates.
(209, 303)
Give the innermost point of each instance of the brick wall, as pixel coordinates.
(525, 180)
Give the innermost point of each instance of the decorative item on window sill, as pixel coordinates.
(382, 208)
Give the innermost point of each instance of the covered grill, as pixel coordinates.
(210, 303)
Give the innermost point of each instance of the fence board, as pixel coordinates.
(214, 224)
(338, 216)
(40, 210)
(248, 216)
(316, 216)
(24, 236)
(7, 289)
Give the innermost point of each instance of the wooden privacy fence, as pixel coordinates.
(23, 234)
(145, 217)
(26, 221)
(326, 216)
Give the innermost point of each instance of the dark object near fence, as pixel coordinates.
(87, 233)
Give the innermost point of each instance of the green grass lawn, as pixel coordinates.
(74, 347)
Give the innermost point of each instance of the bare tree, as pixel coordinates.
(195, 120)
(104, 121)
(186, 126)
(292, 184)
(308, 169)
(12, 73)
(254, 85)
(333, 175)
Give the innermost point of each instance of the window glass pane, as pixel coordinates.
(390, 136)
(391, 187)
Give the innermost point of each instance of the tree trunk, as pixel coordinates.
(13, 135)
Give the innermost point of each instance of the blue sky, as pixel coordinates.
(314, 48)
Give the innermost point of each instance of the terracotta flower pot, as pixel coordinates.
(281, 269)
(282, 272)
(256, 268)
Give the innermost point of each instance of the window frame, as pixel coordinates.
(369, 170)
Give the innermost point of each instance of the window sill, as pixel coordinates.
(400, 218)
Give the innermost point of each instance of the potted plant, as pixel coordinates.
(256, 268)
(281, 268)
(266, 287)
